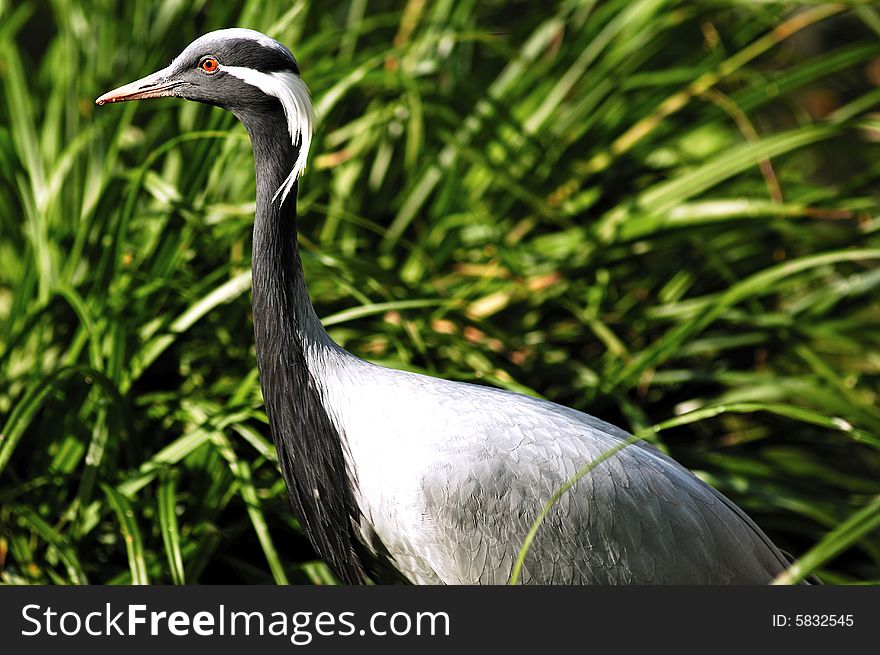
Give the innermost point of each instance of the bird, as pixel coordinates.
(399, 477)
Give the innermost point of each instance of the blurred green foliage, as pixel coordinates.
(660, 212)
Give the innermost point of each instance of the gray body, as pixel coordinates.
(450, 476)
(413, 478)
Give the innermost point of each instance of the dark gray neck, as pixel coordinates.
(277, 267)
(288, 333)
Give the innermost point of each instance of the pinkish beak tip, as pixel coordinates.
(106, 98)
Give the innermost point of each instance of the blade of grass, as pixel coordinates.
(131, 534)
(242, 473)
(55, 539)
(166, 498)
(835, 542)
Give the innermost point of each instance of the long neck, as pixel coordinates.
(288, 336)
(279, 285)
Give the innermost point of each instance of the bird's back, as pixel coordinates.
(450, 477)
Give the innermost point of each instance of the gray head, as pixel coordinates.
(241, 70)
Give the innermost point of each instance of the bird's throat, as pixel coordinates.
(289, 339)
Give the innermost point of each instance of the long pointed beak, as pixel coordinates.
(155, 85)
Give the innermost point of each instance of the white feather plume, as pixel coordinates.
(294, 96)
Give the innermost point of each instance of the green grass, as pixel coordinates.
(663, 213)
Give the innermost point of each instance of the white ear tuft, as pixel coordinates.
(293, 94)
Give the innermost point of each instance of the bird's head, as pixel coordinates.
(241, 70)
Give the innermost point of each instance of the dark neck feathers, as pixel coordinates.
(285, 328)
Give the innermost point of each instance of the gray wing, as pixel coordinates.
(637, 518)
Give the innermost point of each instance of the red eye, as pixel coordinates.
(209, 65)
